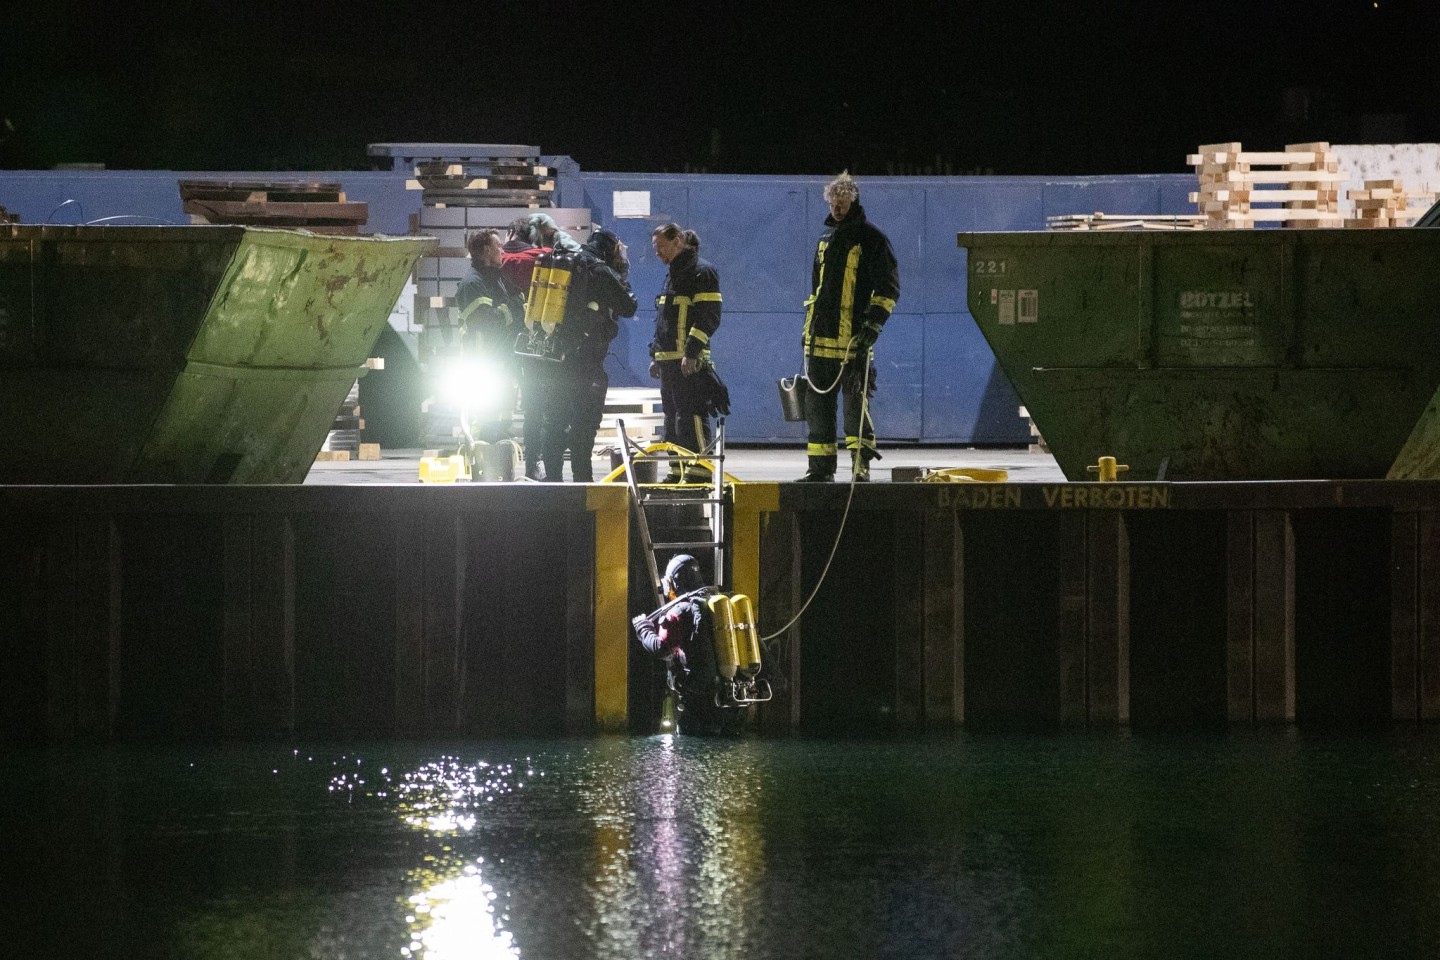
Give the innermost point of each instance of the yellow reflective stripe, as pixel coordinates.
(830, 353)
(680, 323)
(680, 355)
(707, 297)
(852, 443)
(820, 285)
(878, 301)
(847, 291)
(820, 449)
(474, 305)
(700, 335)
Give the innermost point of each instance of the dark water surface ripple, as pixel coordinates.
(1253, 844)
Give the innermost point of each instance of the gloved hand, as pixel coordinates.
(639, 623)
(654, 369)
(865, 340)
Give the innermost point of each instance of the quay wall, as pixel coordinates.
(476, 610)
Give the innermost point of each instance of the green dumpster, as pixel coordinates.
(1224, 355)
(191, 354)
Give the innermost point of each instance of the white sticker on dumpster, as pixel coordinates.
(1007, 306)
(1029, 304)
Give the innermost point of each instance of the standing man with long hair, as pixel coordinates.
(854, 282)
(687, 314)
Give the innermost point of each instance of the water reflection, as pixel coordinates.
(452, 912)
(678, 856)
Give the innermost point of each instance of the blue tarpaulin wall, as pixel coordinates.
(939, 382)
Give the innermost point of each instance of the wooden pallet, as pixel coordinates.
(1384, 203)
(295, 205)
(1075, 222)
(1306, 175)
(642, 411)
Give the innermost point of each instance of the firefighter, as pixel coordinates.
(686, 317)
(490, 311)
(855, 283)
(599, 295)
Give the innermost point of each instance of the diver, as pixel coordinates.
(702, 673)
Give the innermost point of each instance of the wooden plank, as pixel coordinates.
(1274, 616)
(1107, 613)
(1240, 615)
(944, 617)
(1404, 616)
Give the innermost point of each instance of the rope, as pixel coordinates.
(850, 498)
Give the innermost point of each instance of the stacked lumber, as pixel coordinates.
(1384, 203)
(292, 205)
(343, 440)
(1298, 186)
(1124, 221)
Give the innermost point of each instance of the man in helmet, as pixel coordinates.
(681, 633)
(854, 284)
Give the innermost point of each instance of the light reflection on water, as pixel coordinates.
(1263, 845)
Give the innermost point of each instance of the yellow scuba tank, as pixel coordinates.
(559, 293)
(539, 288)
(747, 640)
(722, 618)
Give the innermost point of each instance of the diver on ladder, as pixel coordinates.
(708, 641)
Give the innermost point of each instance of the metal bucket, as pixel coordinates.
(792, 397)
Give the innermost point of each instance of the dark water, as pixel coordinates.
(1268, 844)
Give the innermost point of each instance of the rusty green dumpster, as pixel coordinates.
(1221, 355)
(191, 354)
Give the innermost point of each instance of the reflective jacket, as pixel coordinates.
(854, 282)
(687, 312)
(488, 311)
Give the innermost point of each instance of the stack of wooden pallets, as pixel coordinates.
(317, 207)
(1384, 203)
(1301, 186)
(1124, 221)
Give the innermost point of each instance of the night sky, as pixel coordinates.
(1004, 87)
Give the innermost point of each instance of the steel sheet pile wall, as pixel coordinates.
(186, 612)
(191, 612)
(1105, 604)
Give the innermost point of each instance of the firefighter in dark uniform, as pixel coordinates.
(687, 315)
(599, 295)
(490, 311)
(854, 282)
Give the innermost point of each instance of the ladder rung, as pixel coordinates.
(692, 545)
(696, 501)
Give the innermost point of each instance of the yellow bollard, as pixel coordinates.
(1107, 468)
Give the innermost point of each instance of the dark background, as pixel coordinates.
(784, 87)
